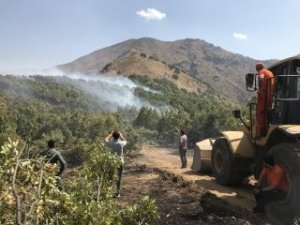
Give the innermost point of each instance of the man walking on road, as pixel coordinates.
(182, 143)
(116, 142)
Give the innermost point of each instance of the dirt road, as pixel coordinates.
(167, 159)
(183, 196)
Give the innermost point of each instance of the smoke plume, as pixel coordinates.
(115, 91)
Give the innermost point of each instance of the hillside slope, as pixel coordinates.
(140, 64)
(222, 70)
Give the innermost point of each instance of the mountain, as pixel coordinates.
(222, 70)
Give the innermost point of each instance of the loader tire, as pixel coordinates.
(286, 210)
(224, 166)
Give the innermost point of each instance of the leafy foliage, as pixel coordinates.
(29, 193)
(42, 108)
(200, 116)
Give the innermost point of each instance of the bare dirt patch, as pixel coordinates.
(183, 196)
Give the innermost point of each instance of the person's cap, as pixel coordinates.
(259, 66)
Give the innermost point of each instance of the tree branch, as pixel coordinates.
(15, 191)
(99, 183)
(38, 196)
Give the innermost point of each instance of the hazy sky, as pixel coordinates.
(44, 33)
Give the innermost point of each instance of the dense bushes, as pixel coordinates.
(40, 108)
(36, 109)
(201, 116)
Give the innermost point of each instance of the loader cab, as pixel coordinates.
(286, 100)
(286, 104)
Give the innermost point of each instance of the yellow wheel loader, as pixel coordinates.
(238, 154)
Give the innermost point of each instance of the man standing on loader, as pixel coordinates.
(264, 98)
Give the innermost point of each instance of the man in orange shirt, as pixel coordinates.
(264, 98)
(277, 184)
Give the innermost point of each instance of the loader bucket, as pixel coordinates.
(202, 156)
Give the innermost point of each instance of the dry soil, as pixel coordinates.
(183, 196)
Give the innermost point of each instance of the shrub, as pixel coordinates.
(175, 76)
(29, 192)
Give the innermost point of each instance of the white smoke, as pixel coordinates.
(116, 91)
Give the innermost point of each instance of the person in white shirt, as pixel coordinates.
(116, 142)
(182, 143)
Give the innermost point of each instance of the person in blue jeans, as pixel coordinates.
(116, 142)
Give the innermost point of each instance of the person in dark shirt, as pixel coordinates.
(53, 156)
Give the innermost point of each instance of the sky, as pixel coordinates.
(43, 33)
